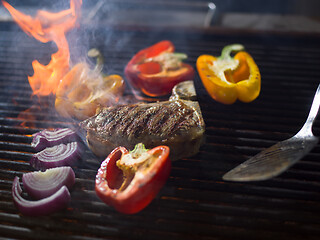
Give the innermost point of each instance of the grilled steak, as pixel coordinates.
(176, 123)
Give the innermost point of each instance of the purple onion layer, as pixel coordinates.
(40, 184)
(56, 156)
(49, 138)
(59, 200)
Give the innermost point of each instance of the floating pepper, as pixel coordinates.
(157, 69)
(83, 90)
(129, 181)
(228, 78)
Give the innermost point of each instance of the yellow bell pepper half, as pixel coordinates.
(227, 78)
(82, 92)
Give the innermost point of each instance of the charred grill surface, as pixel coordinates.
(176, 124)
(195, 203)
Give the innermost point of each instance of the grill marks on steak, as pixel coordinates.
(137, 121)
(172, 123)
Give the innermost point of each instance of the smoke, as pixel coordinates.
(95, 30)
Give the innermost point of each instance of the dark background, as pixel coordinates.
(285, 15)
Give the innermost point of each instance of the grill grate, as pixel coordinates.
(195, 203)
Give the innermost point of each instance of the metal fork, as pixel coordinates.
(276, 159)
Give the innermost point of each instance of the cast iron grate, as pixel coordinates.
(195, 203)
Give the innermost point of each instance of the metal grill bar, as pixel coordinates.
(195, 203)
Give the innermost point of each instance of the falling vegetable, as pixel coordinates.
(45, 206)
(56, 156)
(228, 78)
(41, 184)
(129, 181)
(157, 69)
(83, 91)
(49, 138)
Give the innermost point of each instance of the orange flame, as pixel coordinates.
(45, 27)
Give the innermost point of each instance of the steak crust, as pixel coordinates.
(177, 124)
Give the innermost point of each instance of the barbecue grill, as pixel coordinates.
(195, 203)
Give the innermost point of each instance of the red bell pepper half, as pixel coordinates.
(129, 181)
(157, 69)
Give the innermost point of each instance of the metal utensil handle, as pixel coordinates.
(313, 112)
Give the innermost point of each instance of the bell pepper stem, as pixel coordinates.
(225, 64)
(180, 56)
(138, 150)
(95, 53)
(227, 50)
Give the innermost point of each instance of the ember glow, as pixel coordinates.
(46, 27)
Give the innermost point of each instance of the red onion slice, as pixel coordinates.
(49, 138)
(56, 156)
(39, 184)
(45, 206)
